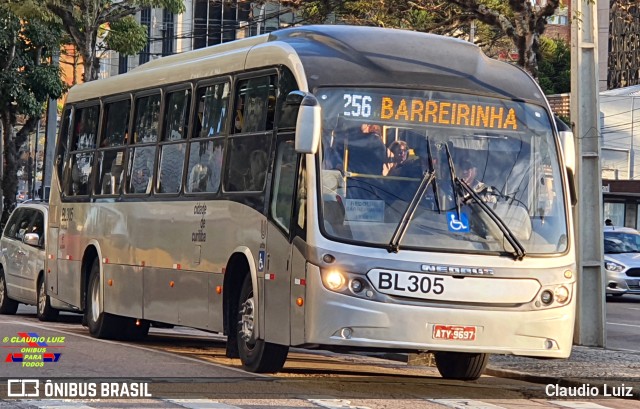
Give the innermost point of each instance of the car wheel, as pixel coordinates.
(44, 310)
(256, 354)
(7, 305)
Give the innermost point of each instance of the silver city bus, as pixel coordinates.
(333, 187)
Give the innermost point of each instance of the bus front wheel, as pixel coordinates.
(101, 324)
(461, 365)
(256, 354)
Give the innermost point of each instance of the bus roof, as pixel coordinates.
(337, 55)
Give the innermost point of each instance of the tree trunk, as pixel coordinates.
(9, 180)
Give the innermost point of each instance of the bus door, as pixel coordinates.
(278, 267)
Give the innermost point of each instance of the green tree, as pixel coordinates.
(518, 21)
(27, 82)
(85, 20)
(555, 66)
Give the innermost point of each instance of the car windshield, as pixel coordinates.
(619, 242)
(378, 144)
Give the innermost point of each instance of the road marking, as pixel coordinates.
(465, 404)
(200, 404)
(56, 404)
(335, 404)
(578, 405)
(623, 325)
(247, 374)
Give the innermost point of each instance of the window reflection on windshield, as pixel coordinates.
(372, 165)
(621, 243)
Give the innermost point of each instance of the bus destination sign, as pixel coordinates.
(416, 110)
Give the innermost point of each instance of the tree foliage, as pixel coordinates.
(83, 21)
(555, 66)
(516, 21)
(27, 82)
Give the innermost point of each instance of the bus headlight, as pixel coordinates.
(562, 294)
(334, 280)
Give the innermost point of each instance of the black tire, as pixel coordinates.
(7, 305)
(461, 365)
(101, 324)
(44, 311)
(256, 354)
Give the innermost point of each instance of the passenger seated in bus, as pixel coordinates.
(239, 115)
(199, 176)
(367, 152)
(140, 180)
(258, 161)
(401, 164)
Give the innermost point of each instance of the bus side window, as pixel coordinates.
(211, 112)
(287, 114)
(283, 185)
(83, 141)
(63, 141)
(115, 133)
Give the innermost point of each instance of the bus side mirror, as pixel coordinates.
(569, 153)
(308, 124)
(568, 144)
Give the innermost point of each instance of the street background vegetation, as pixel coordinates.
(33, 31)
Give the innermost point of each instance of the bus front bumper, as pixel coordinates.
(334, 319)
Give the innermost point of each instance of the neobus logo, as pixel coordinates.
(432, 268)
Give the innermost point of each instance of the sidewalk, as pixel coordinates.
(593, 366)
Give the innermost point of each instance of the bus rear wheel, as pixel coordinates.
(256, 354)
(461, 365)
(101, 324)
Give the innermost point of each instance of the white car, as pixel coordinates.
(622, 260)
(22, 257)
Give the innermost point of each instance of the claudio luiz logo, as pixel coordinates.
(30, 350)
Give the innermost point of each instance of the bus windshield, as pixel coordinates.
(496, 182)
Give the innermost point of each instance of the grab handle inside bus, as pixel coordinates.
(308, 124)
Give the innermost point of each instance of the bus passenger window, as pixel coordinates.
(255, 104)
(213, 102)
(145, 123)
(205, 163)
(176, 119)
(171, 164)
(140, 169)
(78, 183)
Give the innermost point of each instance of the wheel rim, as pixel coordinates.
(247, 321)
(42, 298)
(95, 306)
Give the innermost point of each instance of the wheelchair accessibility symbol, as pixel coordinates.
(458, 225)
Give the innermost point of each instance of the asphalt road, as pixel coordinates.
(187, 369)
(623, 322)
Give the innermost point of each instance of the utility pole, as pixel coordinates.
(50, 137)
(585, 118)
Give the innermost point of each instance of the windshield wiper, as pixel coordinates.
(519, 251)
(427, 178)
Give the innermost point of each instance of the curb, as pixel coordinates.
(564, 382)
